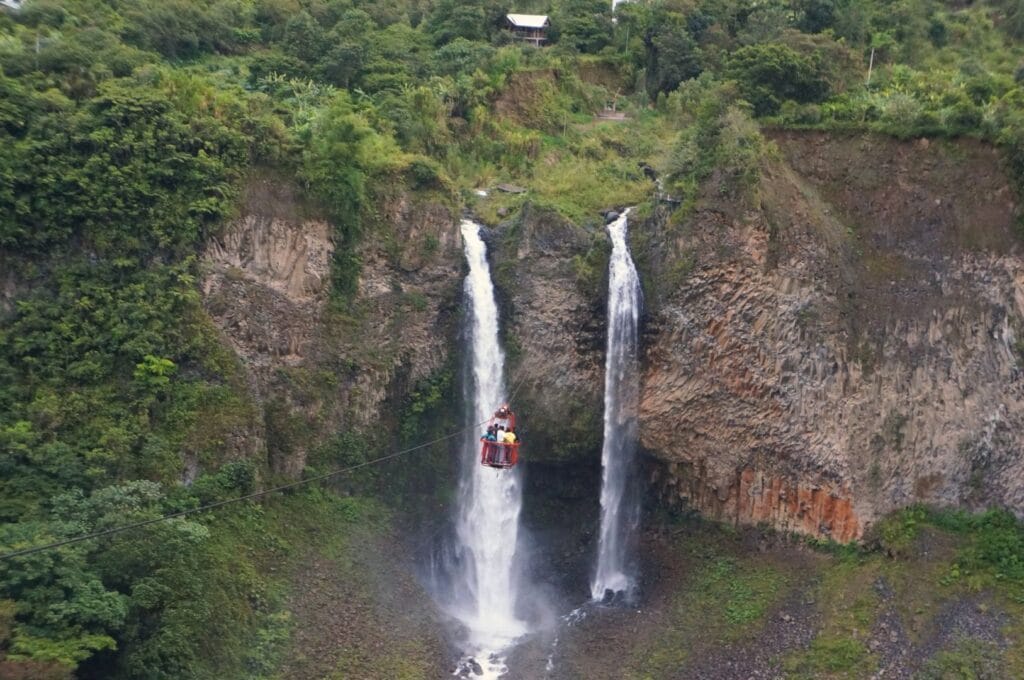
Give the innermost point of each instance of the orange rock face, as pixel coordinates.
(823, 510)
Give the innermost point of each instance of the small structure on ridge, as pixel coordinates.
(531, 28)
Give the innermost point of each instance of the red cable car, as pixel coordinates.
(495, 454)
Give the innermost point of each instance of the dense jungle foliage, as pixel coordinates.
(128, 127)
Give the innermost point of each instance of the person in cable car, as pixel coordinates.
(500, 445)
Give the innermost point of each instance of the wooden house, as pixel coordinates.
(531, 28)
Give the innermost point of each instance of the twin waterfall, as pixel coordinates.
(490, 501)
(620, 514)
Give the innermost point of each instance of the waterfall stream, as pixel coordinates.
(490, 500)
(619, 512)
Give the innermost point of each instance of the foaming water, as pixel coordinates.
(619, 512)
(490, 501)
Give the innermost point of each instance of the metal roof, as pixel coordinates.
(528, 20)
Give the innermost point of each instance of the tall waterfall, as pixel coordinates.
(619, 512)
(489, 500)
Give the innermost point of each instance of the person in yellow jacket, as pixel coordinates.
(510, 437)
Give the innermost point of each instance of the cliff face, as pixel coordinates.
(267, 281)
(847, 347)
(550, 277)
(841, 346)
(317, 367)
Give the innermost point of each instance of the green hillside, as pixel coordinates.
(127, 131)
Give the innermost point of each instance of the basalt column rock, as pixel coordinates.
(267, 280)
(844, 344)
(817, 508)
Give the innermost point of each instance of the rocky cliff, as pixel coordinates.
(549, 274)
(842, 344)
(846, 346)
(316, 363)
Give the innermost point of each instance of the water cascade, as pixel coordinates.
(490, 500)
(619, 512)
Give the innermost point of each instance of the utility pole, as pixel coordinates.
(871, 63)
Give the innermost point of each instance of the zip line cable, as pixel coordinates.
(258, 494)
(217, 504)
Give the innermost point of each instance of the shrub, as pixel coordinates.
(964, 116)
(426, 173)
(808, 114)
(901, 110)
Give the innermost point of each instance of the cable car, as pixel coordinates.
(495, 454)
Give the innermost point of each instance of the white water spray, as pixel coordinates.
(619, 514)
(489, 500)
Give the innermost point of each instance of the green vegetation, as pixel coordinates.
(129, 128)
(969, 660)
(725, 598)
(849, 604)
(991, 554)
(966, 555)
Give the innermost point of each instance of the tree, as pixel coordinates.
(672, 54)
(770, 73)
(453, 19)
(585, 25)
(462, 56)
(814, 16)
(349, 50)
(179, 29)
(343, 150)
(304, 38)
(65, 612)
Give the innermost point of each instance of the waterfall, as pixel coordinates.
(490, 500)
(619, 511)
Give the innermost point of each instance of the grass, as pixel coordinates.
(833, 655)
(1013, 658)
(727, 599)
(592, 166)
(399, 662)
(927, 559)
(848, 604)
(580, 187)
(257, 551)
(968, 660)
(344, 535)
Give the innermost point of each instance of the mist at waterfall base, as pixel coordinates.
(620, 509)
